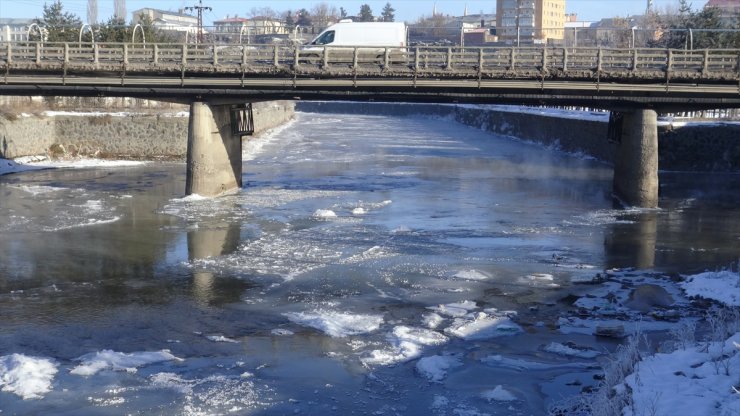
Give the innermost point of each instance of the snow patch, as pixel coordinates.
(721, 286)
(324, 213)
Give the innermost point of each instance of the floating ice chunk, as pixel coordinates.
(419, 336)
(455, 310)
(324, 213)
(435, 368)
(540, 279)
(337, 324)
(721, 286)
(571, 350)
(432, 320)
(97, 361)
(498, 394)
(402, 229)
(483, 326)
(221, 338)
(359, 211)
(471, 275)
(282, 332)
(27, 377)
(407, 343)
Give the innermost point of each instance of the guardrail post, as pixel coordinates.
(296, 55)
(599, 58)
(38, 53)
(125, 53)
(512, 60)
(635, 59)
(96, 54)
(325, 60)
(184, 58)
(10, 53)
(705, 65)
(276, 55)
(244, 56)
(669, 65)
(156, 54)
(355, 58)
(66, 53)
(449, 58)
(416, 60)
(544, 60)
(215, 54)
(480, 62)
(565, 59)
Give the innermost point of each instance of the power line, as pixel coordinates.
(199, 7)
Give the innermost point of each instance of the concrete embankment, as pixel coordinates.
(694, 147)
(133, 135)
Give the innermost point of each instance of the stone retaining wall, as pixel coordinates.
(136, 136)
(707, 147)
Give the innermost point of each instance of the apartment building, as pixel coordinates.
(530, 21)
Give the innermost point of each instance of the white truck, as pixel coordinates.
(371, 40)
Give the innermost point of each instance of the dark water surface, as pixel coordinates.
(309, 291)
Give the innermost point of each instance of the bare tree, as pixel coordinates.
(263, 12)
(323, 14)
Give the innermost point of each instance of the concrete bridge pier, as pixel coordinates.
(636, 162)
(214, 161)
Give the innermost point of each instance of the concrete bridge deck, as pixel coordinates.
(658, 78)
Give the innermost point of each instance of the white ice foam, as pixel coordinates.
(359, 211)
(455, 310)
(324, 213)
(282, 332)
(337, 324)
(107, 359)
(435, 368)
(221, 338)
(27, 377)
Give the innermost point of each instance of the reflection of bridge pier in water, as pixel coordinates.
(632, 244)
(207, 243)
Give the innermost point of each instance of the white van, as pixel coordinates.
(367, 34)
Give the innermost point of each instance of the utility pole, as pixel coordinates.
(199, 7)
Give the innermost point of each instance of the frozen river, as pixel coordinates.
(369, 265)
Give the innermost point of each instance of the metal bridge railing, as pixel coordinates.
(464, 62)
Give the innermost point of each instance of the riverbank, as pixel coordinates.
(139, 135)
(683, 146)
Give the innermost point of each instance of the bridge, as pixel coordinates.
(635, 84)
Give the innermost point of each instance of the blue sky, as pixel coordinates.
(408, 10)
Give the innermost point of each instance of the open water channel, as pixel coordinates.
(369, 265)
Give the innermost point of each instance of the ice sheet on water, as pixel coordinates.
(435, 367)
(119, 361)
(335, 323)
(527, 365)
(722, 286)
(218, 394)
(603, 217)
(86, 214)
(27, 377)
(455, 310)
(38, 189)
(221, 338)
(570, 350)
(471, 275)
